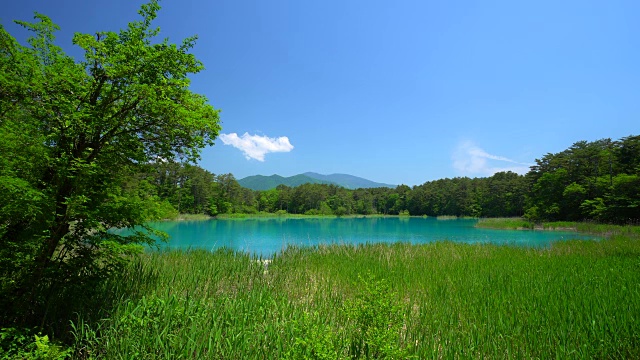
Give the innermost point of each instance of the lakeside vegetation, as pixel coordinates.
(590, 181)
(576, 299)
(284, 214)
(585, 227)
(110, 141)
(505, 223)
(191, 217)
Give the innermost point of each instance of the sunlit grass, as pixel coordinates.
(192, 217)
(585, 227)
(267, 215)
(505, 223)
(447, 217)
(575, 299)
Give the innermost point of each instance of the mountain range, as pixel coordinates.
(261, 182)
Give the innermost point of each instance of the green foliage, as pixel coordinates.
(379, 322)
(505, 223)
(532, 214)
(341, 211)
(404, 213)
(74, 136)
(25, 344)
(590, 180)
(314, 340)
(439, 300)
(265, 183)
(374, 326)
(191, 189)
(503, 194)
(594, 209)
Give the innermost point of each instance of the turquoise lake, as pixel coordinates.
(267, 236)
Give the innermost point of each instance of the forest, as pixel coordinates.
(596, 181)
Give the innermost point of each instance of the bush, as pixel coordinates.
(379, 322)
(341, 210)
(26, 344)
(373, 330)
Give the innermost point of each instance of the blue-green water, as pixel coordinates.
(268, 236)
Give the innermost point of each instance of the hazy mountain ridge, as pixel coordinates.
(348, 181)
(261, 182)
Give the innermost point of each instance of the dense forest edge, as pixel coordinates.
(112, 141)
(590, 181)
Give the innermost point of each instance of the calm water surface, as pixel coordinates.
(267, 236)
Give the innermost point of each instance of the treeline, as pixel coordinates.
(191, 189)
(597, 180)
(589, 181)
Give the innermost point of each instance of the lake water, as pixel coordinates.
(268, 236)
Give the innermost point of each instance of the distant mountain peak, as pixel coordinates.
(262, 182)
(348, 181)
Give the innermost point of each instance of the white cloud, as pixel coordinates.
(256, 146)
(470, 159)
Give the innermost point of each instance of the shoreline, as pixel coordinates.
(239, 216)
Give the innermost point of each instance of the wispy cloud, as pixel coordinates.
(256, 146)
(470, 159)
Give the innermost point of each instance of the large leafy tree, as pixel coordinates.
(73, 131)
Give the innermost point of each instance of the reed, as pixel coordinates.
(505, 223)
(575, 299)
(447, 217)
(192, 217)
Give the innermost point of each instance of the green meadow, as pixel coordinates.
(575, 299)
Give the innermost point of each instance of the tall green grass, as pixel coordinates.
(192, 217)
(284, 214)
(576, 299)
(447, 217)
(505, 223)
(586, 227)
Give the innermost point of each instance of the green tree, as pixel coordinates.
(268, 200)
(592, 180)
(503, 195)
(73, 131)
(573, 196)
(229, 197)
(628, 154)
(623, 202)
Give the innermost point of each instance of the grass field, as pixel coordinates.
(576, 299)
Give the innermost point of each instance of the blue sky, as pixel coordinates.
(393, 91)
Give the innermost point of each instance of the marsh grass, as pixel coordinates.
(447, 217)
(505, 223)
(267, 215)
(584, 227)
(192, 217)
(575, 299)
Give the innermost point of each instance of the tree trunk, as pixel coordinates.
(57, 230)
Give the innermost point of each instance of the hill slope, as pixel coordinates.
(261, 182)
(348, 181)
